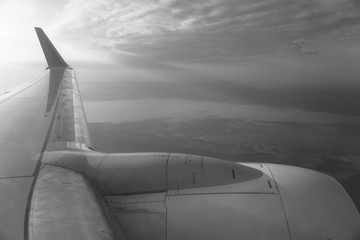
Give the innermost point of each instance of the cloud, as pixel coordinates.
(177, 30)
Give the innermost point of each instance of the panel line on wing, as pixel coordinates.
(282, 202)
(25, 176)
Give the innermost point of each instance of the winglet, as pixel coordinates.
(52, 56)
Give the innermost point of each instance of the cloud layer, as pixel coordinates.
(177, 30)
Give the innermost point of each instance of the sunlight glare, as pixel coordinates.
(17, 21)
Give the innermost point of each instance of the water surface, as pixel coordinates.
(180, 110)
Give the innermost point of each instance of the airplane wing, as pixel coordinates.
(54, 186)
(43, 114)
(27, 115)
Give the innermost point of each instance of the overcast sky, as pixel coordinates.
(278, 43)
(177, 30)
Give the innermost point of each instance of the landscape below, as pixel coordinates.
(330, 148)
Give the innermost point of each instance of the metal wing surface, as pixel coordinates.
(26, 115)
(32, 115)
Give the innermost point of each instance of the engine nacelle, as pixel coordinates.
(141, 173)
(180, 196)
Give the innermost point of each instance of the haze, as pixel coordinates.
(297, 54)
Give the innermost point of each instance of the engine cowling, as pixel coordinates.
(180, 196)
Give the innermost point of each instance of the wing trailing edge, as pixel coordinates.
(52, 56)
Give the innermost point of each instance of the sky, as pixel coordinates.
(179, 31)
(292, 53)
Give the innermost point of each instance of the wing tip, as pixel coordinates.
(52, 56)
